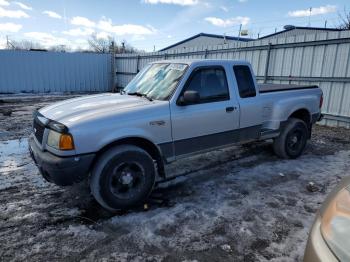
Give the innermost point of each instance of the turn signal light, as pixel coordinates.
(66, 142)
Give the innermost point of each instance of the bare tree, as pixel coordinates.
(128, 48)
(60, 48)
(100, 45)
(109, 46)
(344, 20)
(29, 45)
(25, 45)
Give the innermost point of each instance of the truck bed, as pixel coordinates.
(267, 88)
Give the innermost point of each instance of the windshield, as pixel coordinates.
(156, 81)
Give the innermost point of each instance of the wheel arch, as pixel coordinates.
(147, 145)
(302, 114)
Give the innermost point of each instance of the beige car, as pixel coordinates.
(329, 239)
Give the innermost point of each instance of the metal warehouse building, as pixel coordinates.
(305, 56)
(290, 30)
(205, 39)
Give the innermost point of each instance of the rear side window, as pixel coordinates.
(245, 81)
(210, 83)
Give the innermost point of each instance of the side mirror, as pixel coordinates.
(189, 97)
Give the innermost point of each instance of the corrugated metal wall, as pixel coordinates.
(321, 59)
(298, 31)
(41, 72)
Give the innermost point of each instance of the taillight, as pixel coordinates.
(321, 101)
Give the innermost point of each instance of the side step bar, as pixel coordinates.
(268, 134)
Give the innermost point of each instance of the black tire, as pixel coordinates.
(292, 140)
(122, 177)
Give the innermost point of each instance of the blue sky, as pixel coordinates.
(148, 23)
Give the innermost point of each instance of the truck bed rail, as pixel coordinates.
(267, 88)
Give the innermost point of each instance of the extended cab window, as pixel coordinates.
(245, 81)
(210, 83)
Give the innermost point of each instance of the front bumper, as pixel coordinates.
(316, 248)
(62, 171)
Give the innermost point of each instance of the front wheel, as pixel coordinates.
(292, 140)
(123, 177)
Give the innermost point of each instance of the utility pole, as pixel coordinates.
(310, 16)
(325, 24)
(9, 45)
(123, 46)
(239, 32)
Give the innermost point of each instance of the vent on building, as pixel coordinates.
(289, 27)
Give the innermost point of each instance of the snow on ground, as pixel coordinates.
(235, 204)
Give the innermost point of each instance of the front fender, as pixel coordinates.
(125, 133)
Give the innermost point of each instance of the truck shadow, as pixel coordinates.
(178, 185)
(92, 212)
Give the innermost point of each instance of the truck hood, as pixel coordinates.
(73, 110)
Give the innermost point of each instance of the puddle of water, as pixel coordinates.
(16, 164)
(12, 154)
(16, 146)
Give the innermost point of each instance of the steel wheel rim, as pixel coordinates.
(127, 180)
(294, 140)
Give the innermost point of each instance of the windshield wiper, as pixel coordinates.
(140, 94)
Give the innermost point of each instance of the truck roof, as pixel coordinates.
(203, 61)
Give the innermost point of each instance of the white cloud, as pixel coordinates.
(79, 44)
(103, 35)
(82, 21)
(242, 1)
(174, 2)
(224, 8)
(4, 3)
(79, 32)
(10, 27)
(106, 28)
(106, 25)
(125, 29)
(314, 11)
(23, 6)
(52, 14)
(46, 39)
(13, 13)
(3, 43)
(228, 22)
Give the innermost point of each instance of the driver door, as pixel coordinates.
(211, 121)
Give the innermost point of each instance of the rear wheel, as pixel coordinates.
(292, 140)
(122, 177)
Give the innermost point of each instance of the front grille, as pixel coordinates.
(38, 129)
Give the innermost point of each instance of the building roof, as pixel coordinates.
(303, 28)
(207, 35)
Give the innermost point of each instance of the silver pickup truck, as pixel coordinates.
(170, 110)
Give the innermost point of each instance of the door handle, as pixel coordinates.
(230, 109)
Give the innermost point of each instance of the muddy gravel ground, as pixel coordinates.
(237, 204)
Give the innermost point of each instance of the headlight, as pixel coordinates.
(60, 141)
(335, 225)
